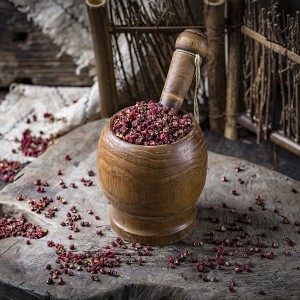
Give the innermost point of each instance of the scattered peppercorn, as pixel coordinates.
(50, 244)
(49, 116)
(10, 226)
(91, 173)
(240, 181)
(73, 185)
(19, 197)
(86, 182)
(68, 157)
(34, 146)
(95, 278)
(8, 170)
(40, 189)
(39, 205)
(290, 242)
(61, 281)
(234, 192)
(50, 281)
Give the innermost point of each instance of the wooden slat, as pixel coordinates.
(285, 142)
(27, 55)
(151, 29)
(269, 44)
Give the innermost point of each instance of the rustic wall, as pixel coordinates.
(28, 56)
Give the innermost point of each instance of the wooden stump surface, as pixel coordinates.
(23, 271)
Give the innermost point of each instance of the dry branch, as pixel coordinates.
(271, 45)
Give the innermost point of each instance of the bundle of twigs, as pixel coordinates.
(148, 29)
(272, 73)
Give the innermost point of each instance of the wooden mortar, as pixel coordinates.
(152, 190)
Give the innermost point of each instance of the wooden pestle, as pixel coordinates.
(182, 68)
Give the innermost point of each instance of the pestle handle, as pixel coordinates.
(182, 68)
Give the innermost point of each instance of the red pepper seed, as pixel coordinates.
(234, 192)
(240, 181)
(61, 281)
(91, 173)
(73, 185)
(34, 146)
(8, 170)
(150, 124)
(67, 157)
(290, 242)
(95, 278)
(19, 197)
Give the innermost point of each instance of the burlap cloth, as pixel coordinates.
(66, 23)
(71, 107)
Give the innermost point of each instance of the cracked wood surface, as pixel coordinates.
(23, 274)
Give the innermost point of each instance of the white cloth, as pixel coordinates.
(66, 23)
(71, 106)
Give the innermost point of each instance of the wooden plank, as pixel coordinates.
(285, 142)
(216, 73)
(26, 54)
(99, 24)
(234, 73)
(23, 274)
(152, 29)
(269, 44)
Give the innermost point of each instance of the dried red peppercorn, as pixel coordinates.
(8, 170)
(150, 124)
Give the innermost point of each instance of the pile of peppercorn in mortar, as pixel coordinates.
(151, 124)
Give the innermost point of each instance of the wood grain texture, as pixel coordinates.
(23, 274)
(182, 67)
(234, 75)
(152, 189)
(28, 56)
(99, 24)
(215, 27)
